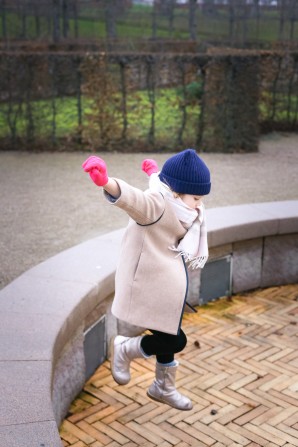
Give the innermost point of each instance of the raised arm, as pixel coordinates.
(98, 173)
(143, 208)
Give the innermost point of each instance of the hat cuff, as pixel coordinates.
(200, 189)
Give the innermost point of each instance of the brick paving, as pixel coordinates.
(240, 368)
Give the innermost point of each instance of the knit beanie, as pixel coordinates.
(186, 173)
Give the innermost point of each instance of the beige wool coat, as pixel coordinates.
(151, 280)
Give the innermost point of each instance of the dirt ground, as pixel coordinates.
(49, 204)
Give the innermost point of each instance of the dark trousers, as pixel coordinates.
(163, 345)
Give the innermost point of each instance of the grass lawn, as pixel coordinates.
(59, 118)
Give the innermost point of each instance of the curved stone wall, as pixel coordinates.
(47, 311)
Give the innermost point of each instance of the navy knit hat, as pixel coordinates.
(186, 173)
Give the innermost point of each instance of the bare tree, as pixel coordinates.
(171, 15)
(36, 18)
(232, 20)
(293, 17)
(282, 9)
(167, 9)
(244, 16)
(76, 18)
(3, 18)
(56, 20)
(192, 20)
(65, 17)
(154, 19)
(110, 18)
(256, 14)
(21, 12)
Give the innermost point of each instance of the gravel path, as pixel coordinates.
(49, 204)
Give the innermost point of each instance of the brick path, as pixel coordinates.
(240, 368)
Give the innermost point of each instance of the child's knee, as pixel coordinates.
(181, 342)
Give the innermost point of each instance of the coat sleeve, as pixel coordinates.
(144, 208)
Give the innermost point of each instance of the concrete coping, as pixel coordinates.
(41, 310)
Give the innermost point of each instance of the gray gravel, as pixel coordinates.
(49, 204)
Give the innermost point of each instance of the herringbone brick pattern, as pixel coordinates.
(240, 368)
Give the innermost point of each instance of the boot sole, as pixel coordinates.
(167, 403)
(112, 363)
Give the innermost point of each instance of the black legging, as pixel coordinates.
(163, 345)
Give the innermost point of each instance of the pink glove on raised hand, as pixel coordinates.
(149, 166)
(97, 170)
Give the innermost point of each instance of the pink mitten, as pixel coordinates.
(149, 166)
(97, 170)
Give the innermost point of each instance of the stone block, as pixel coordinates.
(280, 260)
(89, 262)
(247, 265)
(27, 295)
(69, 375)
(286, 213)
(26, 392)
(23, 336)
(220, 252)
(238, 223)
(41, 300)
(41, 434)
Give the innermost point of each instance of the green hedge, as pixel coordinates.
(145, 102)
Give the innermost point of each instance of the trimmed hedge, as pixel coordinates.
(217, 101)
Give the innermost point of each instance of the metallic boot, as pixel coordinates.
(163, 388)
(124, 349)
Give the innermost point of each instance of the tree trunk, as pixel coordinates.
(56, 21)
(37, 20)
(76, 19)
(154, 20)
(24, 23)
(110, 16)
(281, 19)
(65, 15)
(3, 19)
(292, 9)
(171, 13)
(244, 24)
(231, 21)
(256, 14)
(192, 5)
(292, 28)
(21, 8)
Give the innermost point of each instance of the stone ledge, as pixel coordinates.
(244, 222)
(42, 310)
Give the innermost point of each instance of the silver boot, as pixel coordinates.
(163, 388)
(124, 349)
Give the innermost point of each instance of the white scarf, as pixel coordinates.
(194, 246)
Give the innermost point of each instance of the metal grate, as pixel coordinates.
(216, 279)
(95, 346)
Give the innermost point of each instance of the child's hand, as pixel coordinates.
(97, 170)
(149, 166)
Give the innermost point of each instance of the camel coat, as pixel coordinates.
(151, 280)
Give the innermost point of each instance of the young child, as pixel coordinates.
(166, 230)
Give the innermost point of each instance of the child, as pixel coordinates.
(166, 230)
